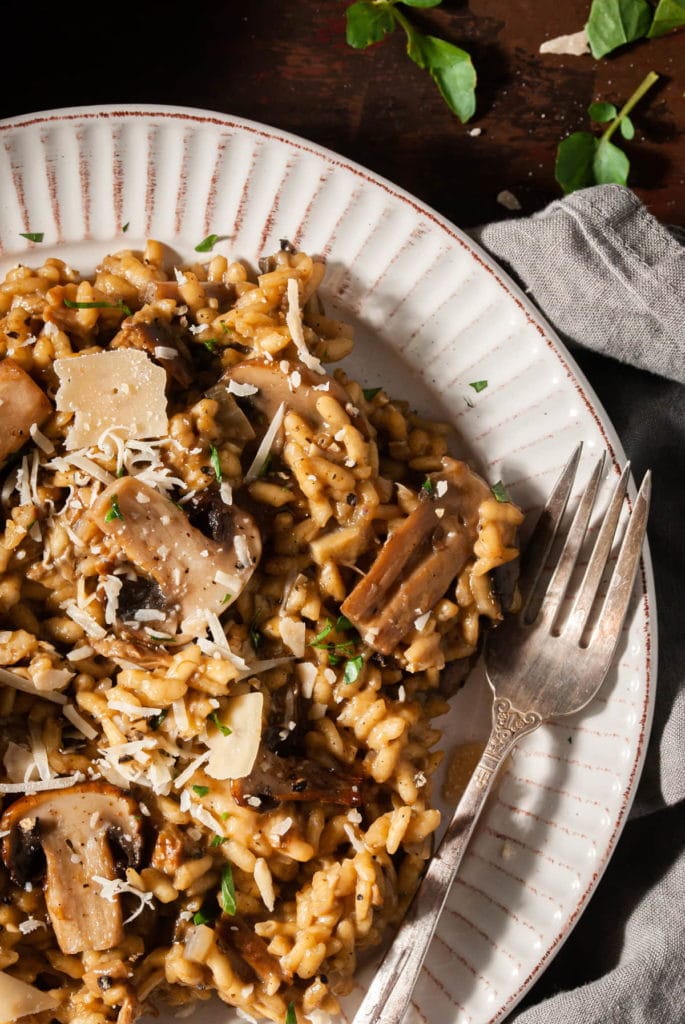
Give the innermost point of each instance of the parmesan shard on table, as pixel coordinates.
(121, 390)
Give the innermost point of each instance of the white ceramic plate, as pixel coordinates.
(432, 314)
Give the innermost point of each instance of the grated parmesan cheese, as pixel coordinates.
(266, 445)
(110, 888)
(294, 321)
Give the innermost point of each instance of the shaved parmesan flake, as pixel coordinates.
(18, 999)
(293, 635)
(281, 827)
(80, 653)
(441, 488)
(30, 925)
(165, 352)
(122, 388)
(133, 710)
(91, 468)
(85, 621)
(18, 762)
(110, 888)
(27, 686)
(65, 782)
(262, 877)
(233, 756)
(294, 321)
(306, 673)
(72, 714)
(421, 620)
(43, 442)
(266, 445)
(188, 772)
(575, 44)
(180, 715)
(234, 387)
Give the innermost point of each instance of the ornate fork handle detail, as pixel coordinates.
(507, 725)
(388, 996)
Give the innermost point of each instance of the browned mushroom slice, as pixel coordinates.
(294, 778)
(197, 574)
(163, 342)
(297, 388)
(22, 403)
(68, 835)
(235, 934)
(420, 559)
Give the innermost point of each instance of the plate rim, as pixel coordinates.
(547, 332)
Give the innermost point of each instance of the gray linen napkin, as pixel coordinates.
(612, 281)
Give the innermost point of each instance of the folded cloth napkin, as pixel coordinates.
(611, 279)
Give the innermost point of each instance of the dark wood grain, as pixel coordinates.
(287, 65)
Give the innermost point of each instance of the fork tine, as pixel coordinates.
(620, 589)
(542, 537)
(568, 557)
(578, 619)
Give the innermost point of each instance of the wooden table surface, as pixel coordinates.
(287, 64)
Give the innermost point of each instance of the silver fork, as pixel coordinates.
(540, 663)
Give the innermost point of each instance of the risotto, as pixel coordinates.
(230, 581)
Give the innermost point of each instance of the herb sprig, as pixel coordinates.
(615, 23)
(585, 159)
(450, 67)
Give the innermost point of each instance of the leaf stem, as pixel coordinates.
(646, 84)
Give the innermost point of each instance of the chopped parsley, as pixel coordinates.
(336, 651)
(98, 305)
(428, 486)
(291, 1017)
(343, 624)
(218, 841)
(126, 226)
(208, 243)
(201, 790)
(158, 719)
(226, 598)
(223, 729)
(228, 891)
(370, 393)
(206, 914)
(209, 344)
(478, 385)
(500, 492)
(353, 667)
(216, 463)
(113, 512)
(256, 637)
(328, 628)
(32, 236)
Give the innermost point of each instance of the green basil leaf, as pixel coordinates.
(353, 667)
(478, 385)
(32, 236)
(669, 14)
(627, 128)
(574, 163)
(291, 1017)
(613, 23)
(601, 112)
(367, 23)
(450, 68)
(228, 891)
(610, 165)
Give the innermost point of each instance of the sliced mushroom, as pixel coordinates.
(22, 403)
(154, 338)
(235, 934)
(79, 831)
(420, 559)
(279, 779)
(197, 574)
(229, 418)
(276, 386)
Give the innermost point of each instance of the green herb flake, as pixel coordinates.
(126, 226)
(478, 385)
(216, 462)
(353, 667)
(428, 486)
(343, 624)
(218, 841)
(613, 23)
(70, 304)
(113, 512)
(228, 891)
(33, 236)
(206, 914)
(291, 1016)
(208, 243)
(317, 641)
(500, 492)
(209, 344)
(157, 720)
(223, 729)
(370, 393)
(201, 790)
(256, 637)
(226, 598)
(668, 15)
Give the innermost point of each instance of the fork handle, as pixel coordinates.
(389, 994)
